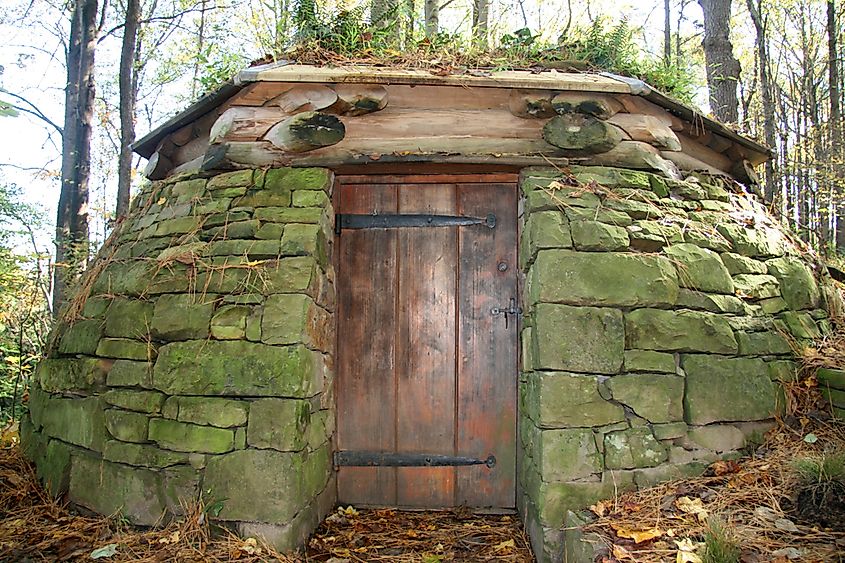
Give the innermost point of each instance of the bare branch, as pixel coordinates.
(32, 109)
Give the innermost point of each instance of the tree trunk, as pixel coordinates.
(836, 148)
(722, 67)
(432, 17)
(667, 32)
(765, 94)
(72, 215)
(128, 84)
(480, 22)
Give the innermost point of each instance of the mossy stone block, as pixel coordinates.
(745, 390)
(612, 177)
(649, 361)
(596, 236)
(81, 337)
(229, 322)
(713, 302)
(700, 268)
(143, 455)
(304, 240)
(567, 454)
(135, 400)
(54, 468)
(739, 264)
(96, 307)
(310, 198)
(123, 278)
(181, 317)
(757, 286)
(798, 324)
(580, 339)
(199, 367)
(270, 231)
(79, 421)
(125, 373)
(128, 318)
(658, 329)
(294, 318)
(544, 229)
(654, 397)
(278, 424)
(124, 348)
(830, 377)
(753, 242)
(239, 178)
(310, 215)
(72, 374)
(188, 190)
(223, 413)
(273, 478)
(560, 400)
(298, 179)
(632, 449)
(606, 279)
(797, 283)
(127, 426)
(183, 437)
(762, 343)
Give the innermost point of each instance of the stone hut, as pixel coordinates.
(512, 291)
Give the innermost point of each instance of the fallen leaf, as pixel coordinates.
(789, 553)
(687, 557)
(639, 536)
(692, 506)
(104, 552)
(601, 508)
(811, 438)
(724, 467)
(172, 538)
(620, 552)
(505, 545)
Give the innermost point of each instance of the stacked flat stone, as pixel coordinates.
(195, 360)
(661, 315)
(832, 385)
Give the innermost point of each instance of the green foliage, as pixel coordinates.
(821, 469)
(24, 318)
(321, 38)
(720, 545)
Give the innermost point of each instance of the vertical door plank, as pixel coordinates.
(367, 327)
(487, 365)
(426, 346)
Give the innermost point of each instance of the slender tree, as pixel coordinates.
(432, 17)
(128, 86)
(667, 32)
(755, 9)
(722, 67)
(480, 22)
(72, 215)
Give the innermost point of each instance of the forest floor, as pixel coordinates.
(783, 501)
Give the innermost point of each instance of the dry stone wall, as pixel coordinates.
(196, 361)
(660, 317)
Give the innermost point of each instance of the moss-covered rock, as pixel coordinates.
(183, 437)
(693, 331)
(561, 400)
(699, 268)
(594, 340)
(654, 397)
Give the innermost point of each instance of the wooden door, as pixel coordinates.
(427, 373)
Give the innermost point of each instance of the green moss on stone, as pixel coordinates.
(237, 368)
(223, 413)
(657, 329)
(633, 448)
(127, 426)
(278, 424)
(183, 437)
(581, 339)
(592, 278)
(181, 317)
(559, 400)
(134, 400)
(745, 390)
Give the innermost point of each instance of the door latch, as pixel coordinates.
(512, 309)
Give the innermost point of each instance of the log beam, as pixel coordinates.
(306, 131)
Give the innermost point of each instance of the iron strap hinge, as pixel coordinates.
(385, 459)
(395, 221)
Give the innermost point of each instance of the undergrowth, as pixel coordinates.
(349, 37)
